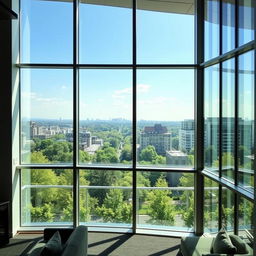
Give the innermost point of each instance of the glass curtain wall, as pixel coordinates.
(107, 114)
(229, 114)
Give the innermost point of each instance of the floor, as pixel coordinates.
(114, 244)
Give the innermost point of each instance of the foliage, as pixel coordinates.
(107, 155)
(161, 209)
(114, 208)
(126, 154)
(186, 206)
(175, 143)
(148, 154)
(242, 152)
(42, 213)
(210, 155)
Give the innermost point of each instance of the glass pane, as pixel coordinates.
(165, 200)
(46, 197)
(211, 28)
(105, 198)
(246, 21)
(228, 27)
(245, 219)
(246, 108)
(211, 206)
(211, 115)
(105, 32)
(227, 209)
(46, 116)
(46, 31)
(105, 114)
(165, 111)
(228, 119)
(165, 32)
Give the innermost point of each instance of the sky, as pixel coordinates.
(105, 37)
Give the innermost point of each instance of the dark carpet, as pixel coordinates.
(106, 244)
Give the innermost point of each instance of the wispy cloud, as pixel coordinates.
(143, 88)
(29, 95)
(120, 94)
(155, 101)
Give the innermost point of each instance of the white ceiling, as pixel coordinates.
(171, 6)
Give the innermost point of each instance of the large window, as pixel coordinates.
(107, 101)
(120, 116)
(229, 114)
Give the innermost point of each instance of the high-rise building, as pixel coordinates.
(187, 135)
(157, 136)
(245, 133)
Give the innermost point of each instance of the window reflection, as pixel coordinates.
(228, 27)
(211, 121)
(211, 24)
(246, 120)
(246, 21)
(245, 218)
(227, 209)
(228, 119)
(211, 205)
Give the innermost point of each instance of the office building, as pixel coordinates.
(157, 136)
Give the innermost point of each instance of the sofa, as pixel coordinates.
(73, 242)
(203, 246)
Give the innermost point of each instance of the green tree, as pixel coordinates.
(186, 200)
(126, 154)
(42, 213)
(84, 156)
(59, 152)
(242, 152)
(101, 178)
(106, 155)
(148, 154)
(114, 208)
(160, 204)
(210, 155)
(175, 143)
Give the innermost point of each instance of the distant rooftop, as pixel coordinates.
(176, 153)
(156, 129)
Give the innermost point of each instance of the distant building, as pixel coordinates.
(96, 141)
(245, 133)
(187, 135)
(175, 159)
(157, 136)
(85, 139)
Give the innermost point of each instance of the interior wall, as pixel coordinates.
(7, 169)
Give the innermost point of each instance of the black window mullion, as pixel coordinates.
(220, 120)
(220, 207)
(254, 144)
(75, 115)
(236, 143)
(220, 26)
(134, 117)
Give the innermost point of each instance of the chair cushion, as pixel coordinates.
(222, 243)
(53, 247)
(239, 244)
(77, 243)
(196, 245)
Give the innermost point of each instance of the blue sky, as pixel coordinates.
(105, 37)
